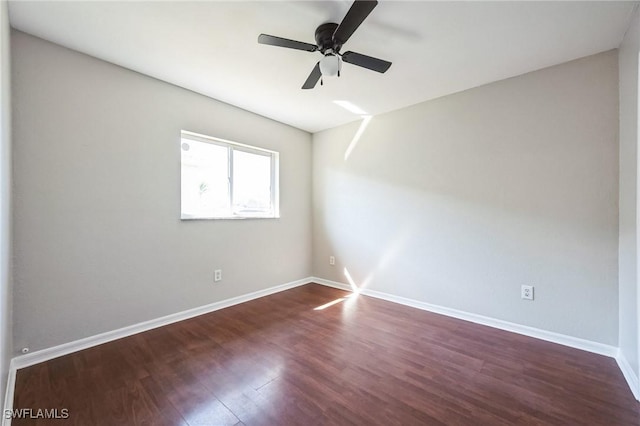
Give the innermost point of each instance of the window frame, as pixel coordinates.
(231, 147)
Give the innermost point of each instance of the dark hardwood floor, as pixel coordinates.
(277, 360)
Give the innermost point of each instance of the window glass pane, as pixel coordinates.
(223, 179)
(204, 180)
(251, 183)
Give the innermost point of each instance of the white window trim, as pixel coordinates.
(232, 146)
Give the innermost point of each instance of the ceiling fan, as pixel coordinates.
(329, 40)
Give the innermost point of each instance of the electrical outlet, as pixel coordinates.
(217, 275)
(332, 260)
(526, 292)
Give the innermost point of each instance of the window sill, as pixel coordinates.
(229, 218)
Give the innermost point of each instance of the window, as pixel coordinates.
(226, 180)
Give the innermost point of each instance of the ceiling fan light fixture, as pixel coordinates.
(330, 65)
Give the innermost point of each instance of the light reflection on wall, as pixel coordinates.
(363, 126)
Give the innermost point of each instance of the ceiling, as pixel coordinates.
(437, 48)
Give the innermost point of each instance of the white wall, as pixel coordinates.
(98, 240)
(6, 347)
(460, 200)
(628, 237)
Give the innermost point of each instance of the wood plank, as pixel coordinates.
(278, 360)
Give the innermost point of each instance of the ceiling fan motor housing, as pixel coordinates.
(324, 37)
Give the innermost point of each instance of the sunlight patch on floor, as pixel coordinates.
(334, 302)
(326, 305)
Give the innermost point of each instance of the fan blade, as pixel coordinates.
(359, 10)
(365, 61)
(285, 42)
(313, 78)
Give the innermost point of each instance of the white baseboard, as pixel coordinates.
(8, 396)
(550, 336)
(330, 283)
(23, 361)
(43, 355)
(629, 375)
